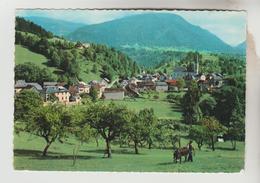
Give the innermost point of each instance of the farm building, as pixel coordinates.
(161, 86)
(114, 93)
(146, 85)
(21, 84)
(60, 92)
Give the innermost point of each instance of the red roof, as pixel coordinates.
(171, 82)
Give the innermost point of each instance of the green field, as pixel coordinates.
(162, 108)
(23, 55)
(27, 156)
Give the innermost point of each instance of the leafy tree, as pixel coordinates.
(135, 129)
(94, 69)
(213, 129)
(25, 103)
(109, 120)
(93, 93)
(197, 133)
(149, 120)
(33, 73)
(51, 122)
(180, 83)
(190, 105)
(207, 104)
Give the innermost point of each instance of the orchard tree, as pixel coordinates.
(109, 120)
(150, 121)
(213, 129)
(135, 129)
(197, 133)
(25, 103)
(51, 122)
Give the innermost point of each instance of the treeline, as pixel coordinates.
(27, 26)
(68, 56)
(152, 58)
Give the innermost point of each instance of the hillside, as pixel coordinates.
(70, 61)
(152, 29)
(57, 27)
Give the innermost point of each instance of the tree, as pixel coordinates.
(135, 129)
(197, 133)
(109, 120)
(236, 127)
(149, 120)
(94, 69)
(93, 93)
(207, 104)
(50, 122)
(25, 103)
(190, 105)
(33, 73)
(213, 129)
(180, 84)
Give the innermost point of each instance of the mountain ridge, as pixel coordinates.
(151, 29)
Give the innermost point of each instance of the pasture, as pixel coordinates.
(27, 156)
(162, 108)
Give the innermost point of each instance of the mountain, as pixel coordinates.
(57, 27)
(151, 30)
(241, 47)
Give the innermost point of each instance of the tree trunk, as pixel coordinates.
(136, 147)
(44, 153)
(108, 148)
(212, 143)
(150, 145)
(96, 138)
(233, 144)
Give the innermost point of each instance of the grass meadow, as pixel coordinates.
(28, 148)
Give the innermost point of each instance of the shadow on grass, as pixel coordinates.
(167, 163)
(36, 154)
(225, 148)
(117, 151)
(101, 151)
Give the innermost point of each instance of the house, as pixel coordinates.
(172, 85)
(60, 92)
(83, 87)
(161, 86)
(215, 80)
(21, 84)
(146, 85)
(182, 73)
(46, 84)
(114, 93)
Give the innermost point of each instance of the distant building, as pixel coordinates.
(83, 87)
(46, 84)
(21, 84)
(114, 93)
(161, 86)
(60, 92)
(146, 85)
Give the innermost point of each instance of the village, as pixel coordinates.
(131, 87)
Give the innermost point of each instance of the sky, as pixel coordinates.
(229, 26)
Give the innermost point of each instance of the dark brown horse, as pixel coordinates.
(178, 153)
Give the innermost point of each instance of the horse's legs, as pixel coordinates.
(180, 159)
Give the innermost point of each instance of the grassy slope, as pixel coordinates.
(162, 108)
(27, 156)
(23, 55)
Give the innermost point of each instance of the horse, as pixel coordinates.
(178, 153)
